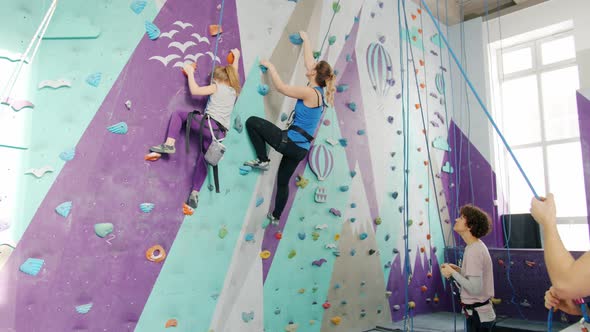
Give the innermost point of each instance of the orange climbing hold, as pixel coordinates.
(336, 237)
(171, 323)
(425, 162)
(413, 17)
(421, 63)
(422, 85)
(194, 65)
(152, 156)
(429, 275)
(419, 11)
(414, 38)
(336, 320)
(420, 31)
(428, 236)
(417, 106)
(230, 58)
(155, 254)
(423, 289)
(215, 29)
(422, 249)
(187, 210)
(436, 299)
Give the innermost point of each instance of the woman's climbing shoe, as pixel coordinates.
(274, 221)
(256, 163)
(193, 199)
(163, 148)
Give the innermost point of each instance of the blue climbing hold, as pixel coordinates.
(352, 219)
(263, 69)
(447, 168)
(343, 142)
(103, 229)
(394, 195)
(263, 89)
(152, 30)
(360, 132)
(118, 128)
(337, 286)
(137, 6)
(284, 117)
(352, 252)
(332, 40)
(441, 144)
(353, 205)
(84, 309)
(64, 209)
(146, 207)
(352, 106)
(387, 237)
(295, 38)
(363, 236)
(395, 251)
(336, 72)
(352, 174)
(249, 237)
(341, 87)
(301, 236)
(68, 155)
(390, 119)
(245, 170)
(348, 58)
(94, 79)
(259, 201)
(32, 266)
(344, 188)
(238, 126)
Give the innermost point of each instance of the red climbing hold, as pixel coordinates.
(278, 235)
(326, 305)
(422, 85)
(419, 11)
(422, 249)
(428, 237)
(501, 262)
(413, 17)
(425, 162)
(420, 31)
(421, 63)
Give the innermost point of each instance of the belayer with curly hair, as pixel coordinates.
(476, 275)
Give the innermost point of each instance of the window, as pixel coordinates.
(535, 103)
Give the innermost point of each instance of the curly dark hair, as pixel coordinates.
(478, 221)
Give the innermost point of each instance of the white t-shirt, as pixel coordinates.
(221, 104)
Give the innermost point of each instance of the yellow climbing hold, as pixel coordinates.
(311, 322)
(301, 290)
(265, 254)
(336, 237)
(412, 304)
(336, 320)
(292, 253)
(496, 301)
(292, 327)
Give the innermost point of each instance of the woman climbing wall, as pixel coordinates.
(223, 92)
(293, 143)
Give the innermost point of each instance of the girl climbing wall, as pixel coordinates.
(223, 92)
(293, 143)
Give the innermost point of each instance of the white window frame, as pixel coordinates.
(537, 69)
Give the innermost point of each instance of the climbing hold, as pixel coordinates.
(319, 262)
(351, 106)
(152, 156)
(301, 236)
(265, 254)
(422, 249)
(230, 58)
(326, 305)
(388, 293)
(387, 265)
(152, 30)
(278, 235)
(335, 212)
(396, 307)
(39, 172)
(447, 168)
(341, 87)
(525, 303)
(360, 132)
(68, 155)
(222, 232)
(336, 320)
(394, 195)
(301, 181)
(284, 117)
(390, 119)
(387, 237)
(94, 79)
(378, 221)
(263, 89)
(295, 38)
(137, 6)
(441, 144)
(291, 327)
(238, 126)
(395, 251)
(428, 237)
(146, 207)
(330, 246)
(244, 170)
(530, 263)
(215, 29)
(327, 123)
(429, 275)
(363, 236)
(423, 289)
(249, 237)
(103, 229)
(343, 142)
(322, 226)
(332, 40)
(352, 174)
(436, 299)
(171, 323)
(412, 304)
(336, 237)
(336, 6)
(343, 302)
(301, 290)
(316, 54)
(363, 313)
(440, 117)
(247, 316)
(64, 209)
(331, 141)
(315, 236)
(496, 301)
(84, 308)
(348, 58)
(428, 300)
(119, 128)
(32, 266)
(352, 205)
(321, 195)
(155, 254)
(344, 188)
(372, 251)
(277, 311)
(187, 210)
(259, 201)
(263, 69)
(352, 252)
(292, 253)
(410, 222)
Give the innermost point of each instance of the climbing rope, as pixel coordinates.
(217, 38)
(335, 9)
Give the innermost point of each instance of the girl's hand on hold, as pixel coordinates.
(266, 63)
(236, 53)
(303, 35)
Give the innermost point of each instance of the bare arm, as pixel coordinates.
(299, 92)
(194, 88)
(236, 63)
(569, 277)
(307, 52)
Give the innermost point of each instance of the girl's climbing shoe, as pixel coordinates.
(274, 221)
(163, 148)
(256, 163)
(193, 199)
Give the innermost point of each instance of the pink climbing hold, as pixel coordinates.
(319, 262)
(335, 212)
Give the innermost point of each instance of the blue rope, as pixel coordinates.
(327, 32)
(484, 108)
(550, 320)
(217, 38)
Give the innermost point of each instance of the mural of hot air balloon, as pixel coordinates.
(380, 68)
(321, 161)
(440, 83)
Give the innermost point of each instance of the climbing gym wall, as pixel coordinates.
(103, 240)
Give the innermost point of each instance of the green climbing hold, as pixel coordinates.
(103, 229)
(315, 236)
(336, 6)
(410, 222)
(316, 54)
(332, 40)
(378, 221)
(222, 232)
(292, 253)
